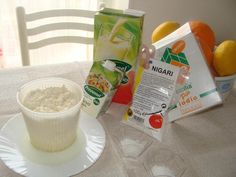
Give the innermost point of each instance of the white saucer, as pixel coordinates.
(19, 155)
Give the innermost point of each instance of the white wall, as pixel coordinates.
(219, 14)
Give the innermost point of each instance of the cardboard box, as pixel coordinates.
(199, 92)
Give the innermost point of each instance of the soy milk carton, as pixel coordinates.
(198, 91)
(117, 37)
(100, 86)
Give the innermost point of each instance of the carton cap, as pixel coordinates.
(109, 65)
(133, 12)
(127, 12)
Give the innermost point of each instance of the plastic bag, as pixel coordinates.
(155, 83)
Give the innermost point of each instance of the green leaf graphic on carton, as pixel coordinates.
(94, 92)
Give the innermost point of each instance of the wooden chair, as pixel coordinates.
(26, 32)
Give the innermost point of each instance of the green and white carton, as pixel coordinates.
(117, 37)
(100, 86)
(198, 92)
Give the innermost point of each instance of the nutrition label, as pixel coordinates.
(155, 88)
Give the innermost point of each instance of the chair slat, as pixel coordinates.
(60, 26)
(61, 39)
(59, 13)
(26, 31)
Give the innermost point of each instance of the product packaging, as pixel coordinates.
(198, 92)
(100, 87)
(154, 88)
(117, 37)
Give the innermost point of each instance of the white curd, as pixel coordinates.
(52, 99)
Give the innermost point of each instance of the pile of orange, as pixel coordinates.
(206, 38)
(221, 59)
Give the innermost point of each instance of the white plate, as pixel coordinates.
(19, 155)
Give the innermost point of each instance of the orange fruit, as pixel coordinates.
(208, 54)
(224, 60)
(163, 30)
(203, 32)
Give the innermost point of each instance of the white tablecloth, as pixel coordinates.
(205, 141)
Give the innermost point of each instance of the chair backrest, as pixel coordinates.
(26, 32)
